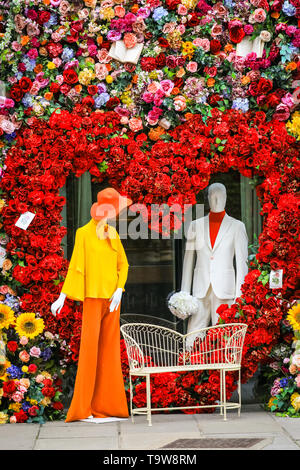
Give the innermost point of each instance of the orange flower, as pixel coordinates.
(245, 80)
(38, 68)
(78, 88)
(275, 14)
(228, 48)
(291, 66)
(43, 42)
(134, 78)
(156, 133)
(135, 8)
(25, 40)
(210, 81)
(48, 96)
(99, 40)
(175, 91)
(46, 2)
(188, 116)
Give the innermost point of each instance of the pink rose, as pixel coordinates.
(298, 380)
(166, 86)
(192, 67)
(24, 356)
(39, 378)
(23, 340)
(259, 15)
(35, 352)
(101, 71)
(282, 112)
(135, 124)
(216, 30)
(103, 56)
(181, 28)
(147, 97)
(203, 43)
(17, 397)
(179, 103)
(12, 419)
(181, 9)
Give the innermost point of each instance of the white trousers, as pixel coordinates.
(206, 314)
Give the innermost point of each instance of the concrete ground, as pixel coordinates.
(255, 429)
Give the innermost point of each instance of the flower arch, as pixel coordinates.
(169, 168)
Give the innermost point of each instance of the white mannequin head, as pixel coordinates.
(217, 197)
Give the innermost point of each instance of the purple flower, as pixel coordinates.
(113, 35)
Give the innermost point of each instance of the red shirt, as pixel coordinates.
(215, 219)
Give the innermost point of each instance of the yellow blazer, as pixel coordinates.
(97, 266)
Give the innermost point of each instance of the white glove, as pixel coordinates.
(58, 304)
(115, 299)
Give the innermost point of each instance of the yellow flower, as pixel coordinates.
(51, 65)
(2, 204)
(33, 402)
(15, 406)
(189, 4)
(85, 76)
(24, 369)
(28, 325)
(3, 417)
(3, 367)
(46, 374)
(7, 316)
(46, 401)
(107, 13)
(109, 79)
(293, 317)
(295, 401)
(294, 125)
(271, 402)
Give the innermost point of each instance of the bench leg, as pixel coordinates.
(131, 396)
(239, 392)
(221, 392)
(224, 393)
(148, 392)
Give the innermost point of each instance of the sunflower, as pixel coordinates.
(3, 366)
(293, 317)
(295, 401)
(7, 316)
(28, 325)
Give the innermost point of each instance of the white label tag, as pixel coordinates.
(2, 255)
(276, 279)
(24, 220)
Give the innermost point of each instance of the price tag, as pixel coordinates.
(25, 220)
(276, 279)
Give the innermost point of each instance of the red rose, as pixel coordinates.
(112, 102)
(9, 387)
(215, 46)
(21, 416)
(16, 93)
(193, 21)
(48, 392)
(44, 17)
(57, 405)
(264, 86)
(32, 368)
(88, 101)
(92, 90)
(236, 34)
(160, 60)
(12, 346)
(25, 83)
(148, 64)
(33, 410)
(163, 42)
(54, 49)
(54, 87)
(70, 76)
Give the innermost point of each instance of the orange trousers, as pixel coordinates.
(99, 386)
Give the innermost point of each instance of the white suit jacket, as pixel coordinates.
(215, 265)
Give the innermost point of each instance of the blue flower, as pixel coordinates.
(229, 3)
(101, 100)
(52, 21)
(67, 54)
(241, 103)
(288, 9)
(46, 354)
(27, 100)
(159, 13)
(15, 372)
(26, 405)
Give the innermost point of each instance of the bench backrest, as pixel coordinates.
(155, 346)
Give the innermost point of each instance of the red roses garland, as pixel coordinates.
(172, 169)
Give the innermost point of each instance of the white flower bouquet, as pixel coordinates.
(182, 305)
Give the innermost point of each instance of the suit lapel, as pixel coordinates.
(225, 224)
(206, 232)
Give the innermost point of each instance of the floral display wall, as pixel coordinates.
(154, 97)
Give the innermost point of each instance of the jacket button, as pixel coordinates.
(211, 257)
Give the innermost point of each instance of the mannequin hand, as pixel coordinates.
(115, 299)
(58, 304)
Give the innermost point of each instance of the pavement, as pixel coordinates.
(255, 429)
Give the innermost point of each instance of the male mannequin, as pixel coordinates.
(216, 239)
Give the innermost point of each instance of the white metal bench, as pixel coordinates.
(153, 349)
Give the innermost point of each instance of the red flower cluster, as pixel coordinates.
(171, 169)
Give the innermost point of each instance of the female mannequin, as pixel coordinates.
(96, 276)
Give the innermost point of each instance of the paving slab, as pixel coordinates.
(52, 432)
(152, 441)
(291, 425)
(87, 443)
(19, 436)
